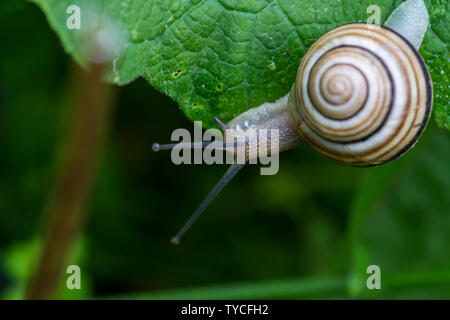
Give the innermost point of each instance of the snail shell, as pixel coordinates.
(363, 95)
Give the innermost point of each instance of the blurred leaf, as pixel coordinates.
(222, 57)
(19, 261)
(399, 285)
(286, 289)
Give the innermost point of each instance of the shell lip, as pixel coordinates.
(429, 103)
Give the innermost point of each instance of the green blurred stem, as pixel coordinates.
(281, 289)
(86, 121)
(298, 288)
(418, 279)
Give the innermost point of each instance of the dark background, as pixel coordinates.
(308, 232)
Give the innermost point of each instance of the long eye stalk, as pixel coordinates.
(230, 146)
(194, 145)
(231, 172)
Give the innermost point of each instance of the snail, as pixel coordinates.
(362, 97)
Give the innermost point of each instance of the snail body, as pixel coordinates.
(362, 97)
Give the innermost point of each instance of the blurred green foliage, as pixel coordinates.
(308, 232)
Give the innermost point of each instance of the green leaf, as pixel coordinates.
(435, 52)
(222, 57)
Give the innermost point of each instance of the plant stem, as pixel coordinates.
(87, 119)
(275, 289)
(297, 288)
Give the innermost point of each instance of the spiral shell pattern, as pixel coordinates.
(363, 95)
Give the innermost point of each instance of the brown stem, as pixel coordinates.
(87, 118)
